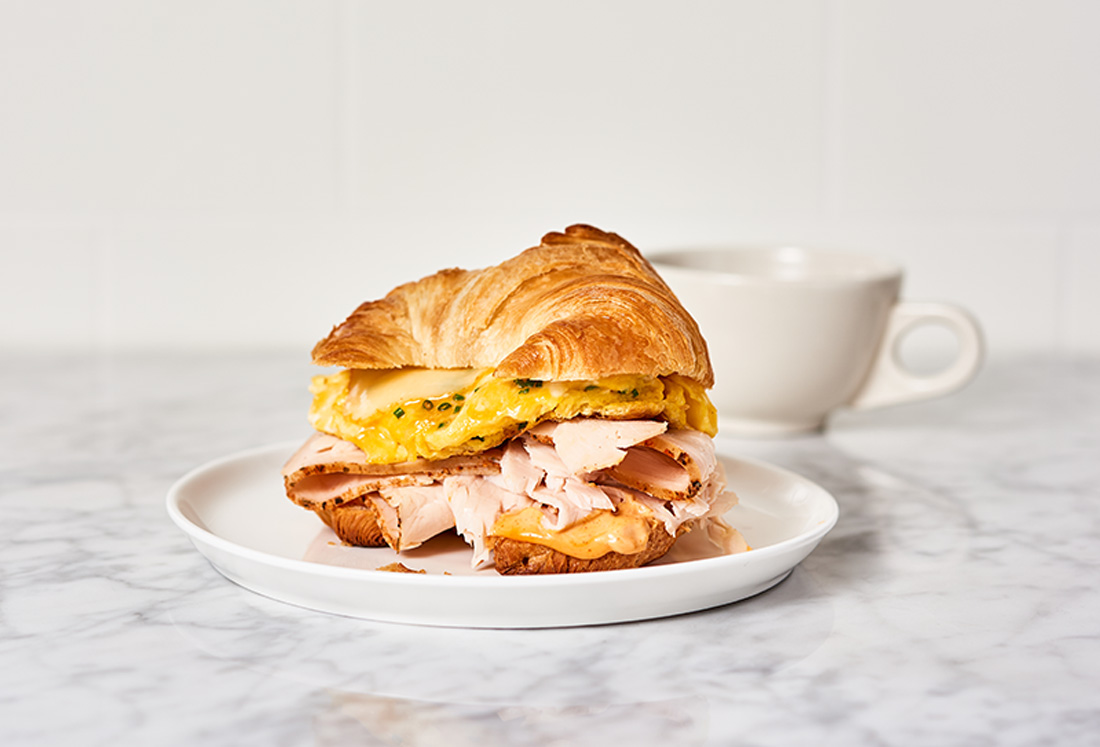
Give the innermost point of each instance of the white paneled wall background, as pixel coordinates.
(211, 175)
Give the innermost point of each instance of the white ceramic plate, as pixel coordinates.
(235, 512)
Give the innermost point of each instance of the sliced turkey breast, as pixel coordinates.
(589, 444)
(534, 474)
(401, 505)
(568, 471)
(323, 454)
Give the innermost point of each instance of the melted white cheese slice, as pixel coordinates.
(370, 391)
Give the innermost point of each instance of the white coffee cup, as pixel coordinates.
(796, 333)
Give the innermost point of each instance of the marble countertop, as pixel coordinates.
(957, 601)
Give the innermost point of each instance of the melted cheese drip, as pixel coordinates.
(398, 415)
(626, 531)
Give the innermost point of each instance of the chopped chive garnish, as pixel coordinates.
(444, 406)
(427, 404)
(459, 398)
(441, 425)
(590, 387)
(399, 413)
(633, 392)
(524, 391)
(457, 409)
(528, 383)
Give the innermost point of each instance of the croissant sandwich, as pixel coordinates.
(551, 409)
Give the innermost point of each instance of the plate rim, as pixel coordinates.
(197, 533)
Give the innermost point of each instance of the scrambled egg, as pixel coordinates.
(398, 415)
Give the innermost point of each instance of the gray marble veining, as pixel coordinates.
(956, 602)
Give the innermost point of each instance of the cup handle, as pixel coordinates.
(890, 383)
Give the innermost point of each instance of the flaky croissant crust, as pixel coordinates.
(583, 304)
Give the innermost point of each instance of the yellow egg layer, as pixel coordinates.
(434, 415)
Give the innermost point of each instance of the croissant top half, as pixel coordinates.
(583, 304)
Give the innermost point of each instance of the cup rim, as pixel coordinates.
(874, 267)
